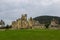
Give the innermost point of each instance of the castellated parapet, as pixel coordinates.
(23, 23)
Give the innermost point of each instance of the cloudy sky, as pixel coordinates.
(12, 9)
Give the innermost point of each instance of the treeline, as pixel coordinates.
(46, 19)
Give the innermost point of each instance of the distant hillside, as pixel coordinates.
(46, 19)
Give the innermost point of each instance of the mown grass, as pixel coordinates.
(30, 35)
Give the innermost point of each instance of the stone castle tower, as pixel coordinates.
(20, 23)
(31, 22)
(23, 23)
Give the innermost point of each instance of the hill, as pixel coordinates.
(46, 19)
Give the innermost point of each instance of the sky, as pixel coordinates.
(11, 10)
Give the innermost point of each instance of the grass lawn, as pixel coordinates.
(30, 35)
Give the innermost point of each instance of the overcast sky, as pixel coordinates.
(12, 9)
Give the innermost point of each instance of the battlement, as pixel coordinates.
(24, 23)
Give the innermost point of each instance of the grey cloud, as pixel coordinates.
(11, 11)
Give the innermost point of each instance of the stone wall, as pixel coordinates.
(23, 23)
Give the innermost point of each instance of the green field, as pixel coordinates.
(30, 35)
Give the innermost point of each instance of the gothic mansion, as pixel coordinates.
(24, 23)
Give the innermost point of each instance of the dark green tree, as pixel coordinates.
(7, 26)
(47, 25)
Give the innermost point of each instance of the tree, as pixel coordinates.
(7, 26)
(47, 25)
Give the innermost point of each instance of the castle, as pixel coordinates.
(54, 24)
(24, 23)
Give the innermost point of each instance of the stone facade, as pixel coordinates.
(31, 22)
(54, 24)
(23, 23)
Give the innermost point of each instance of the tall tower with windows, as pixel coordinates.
(24, 22)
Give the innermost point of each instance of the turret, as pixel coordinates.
(24, 17)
